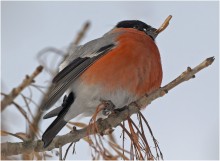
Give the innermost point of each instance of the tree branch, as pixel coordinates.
(113, 120)
(8, 99)
(82, 33)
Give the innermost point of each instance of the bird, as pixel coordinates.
(121, 66)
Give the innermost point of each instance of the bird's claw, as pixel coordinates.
(108, 107)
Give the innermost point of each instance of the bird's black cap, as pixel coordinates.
(139, 25)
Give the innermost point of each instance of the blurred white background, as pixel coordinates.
(185, 121)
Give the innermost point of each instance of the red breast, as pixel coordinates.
(133, 65)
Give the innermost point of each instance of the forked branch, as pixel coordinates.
(8, 99)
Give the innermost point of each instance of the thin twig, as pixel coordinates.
(60, 153)
(118, 152)
(42, 60)
(82, 33)
(9, 148)
(16, 91)
(64, 158)
(116, 146)
(149, 153)
(20, 109)
(143, 138)
(38, 88)
(3, 133)
(35, 123)
(155, 141)
(135, 139)
(27, 105)
(30, 100)
(164, 25)
(131, 152)
(123, 138)
(134, 142)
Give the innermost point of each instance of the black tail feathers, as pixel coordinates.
(58, 123)
(53, 130)
(53, 113)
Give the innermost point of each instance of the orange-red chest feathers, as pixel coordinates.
(133, 65)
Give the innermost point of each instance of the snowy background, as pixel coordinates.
(185, 121)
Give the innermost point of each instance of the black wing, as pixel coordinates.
(67, 76)
(68, 69)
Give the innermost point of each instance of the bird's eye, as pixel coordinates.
(144, 29)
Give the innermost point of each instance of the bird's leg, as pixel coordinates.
(120, 109)
(108, 107)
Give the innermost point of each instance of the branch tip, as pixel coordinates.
(40, 68)
(87, 24)
(210, 60)
(8, 99)
(164, 25)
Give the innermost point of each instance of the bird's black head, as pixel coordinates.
(139, 25)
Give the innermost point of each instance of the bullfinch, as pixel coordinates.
(121, 66)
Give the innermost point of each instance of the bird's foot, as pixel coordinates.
(108, 107)
(117, 111)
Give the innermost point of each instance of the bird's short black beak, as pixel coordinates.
(152, 32)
